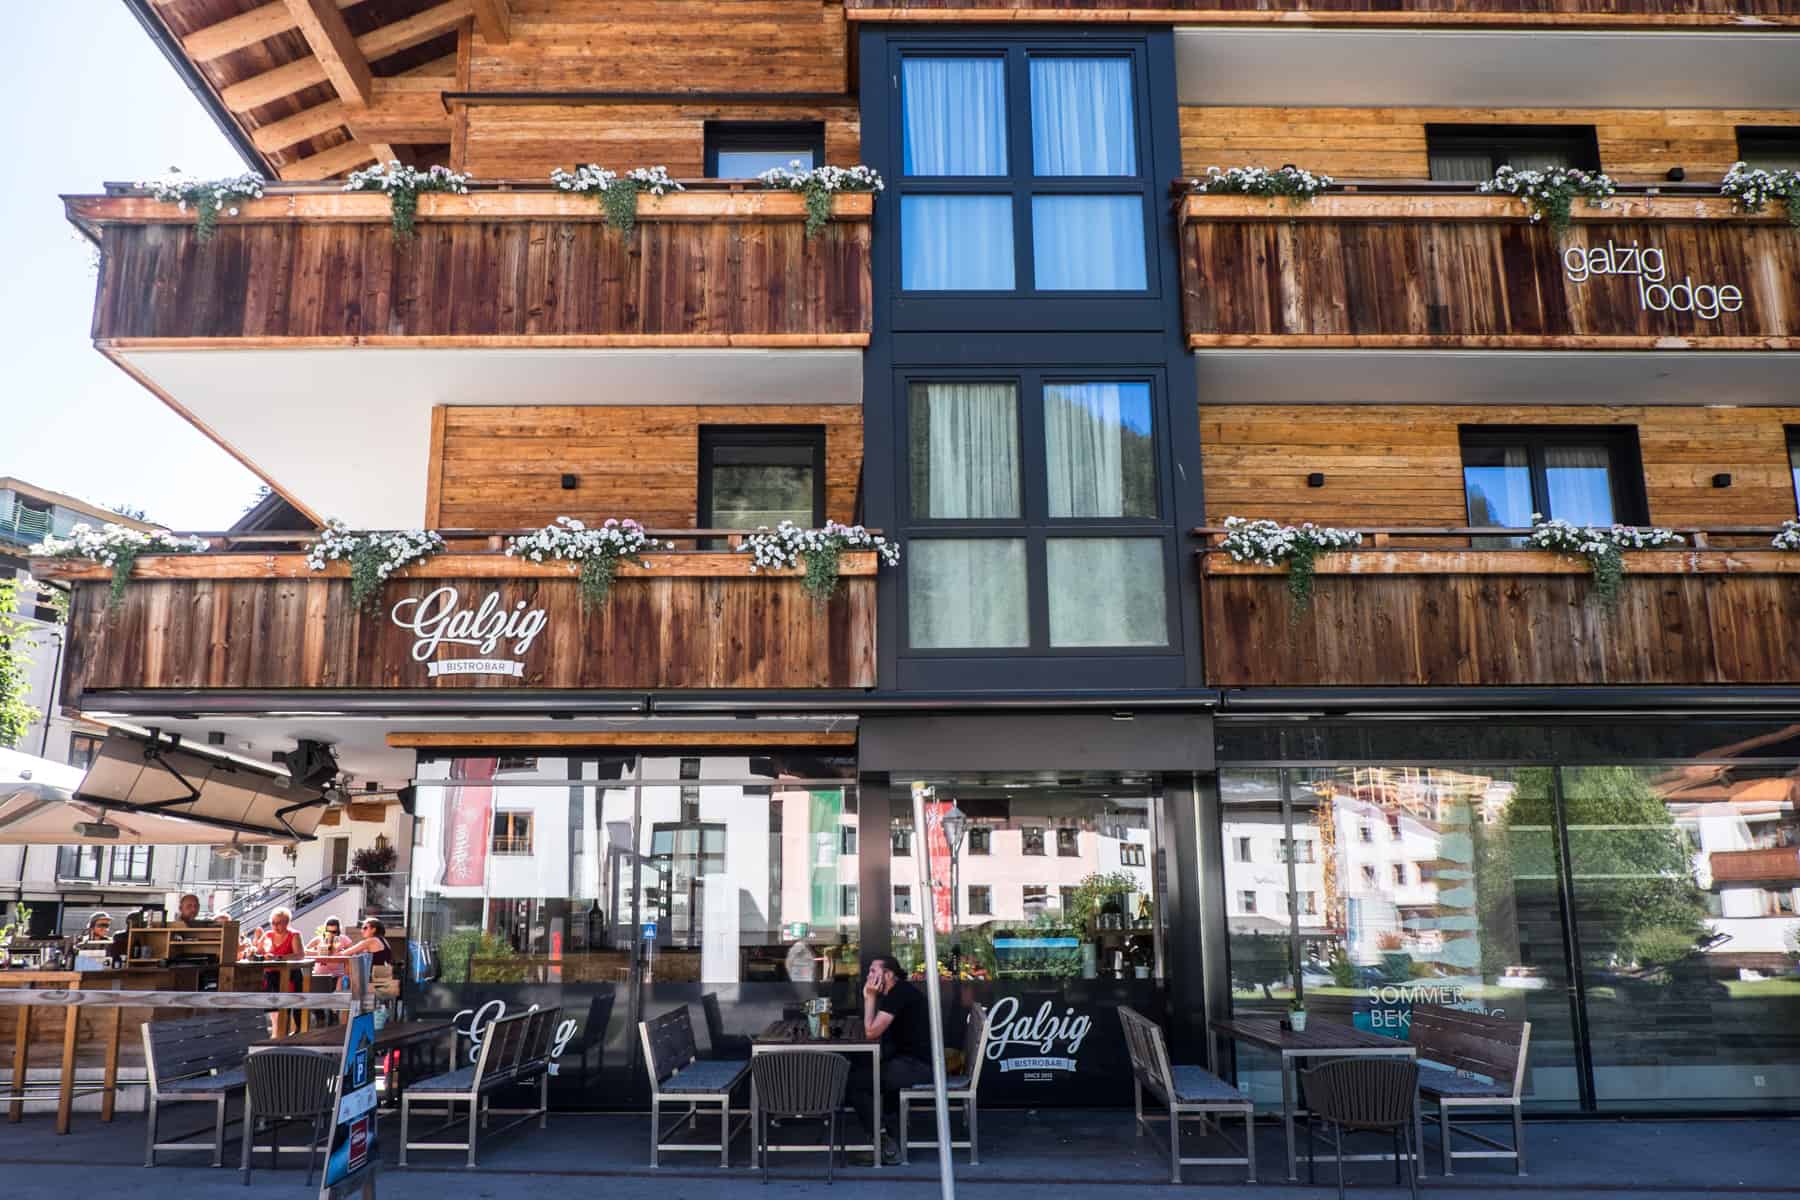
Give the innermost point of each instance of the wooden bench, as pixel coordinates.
(197, 1060)
(514, 1052)
(678, 1075)
(1188, 1093)
(1470, 1060)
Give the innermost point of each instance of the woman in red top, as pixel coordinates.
(279, 942)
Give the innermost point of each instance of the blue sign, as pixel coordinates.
(351, 1156)
(649, 934)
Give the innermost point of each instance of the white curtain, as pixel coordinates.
(1498, 493)
(1081, 117)
(1098, 450)
(965, 450)
(1580, 483)
(954, 112)
(956, 243)
(1088, 243)
(1473, 167)
(1107, 592)
(966, 592)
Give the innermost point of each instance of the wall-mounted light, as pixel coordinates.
(1722, 480)
(215, 737)
(1316, 479)
(1676, 174)
(569, 482)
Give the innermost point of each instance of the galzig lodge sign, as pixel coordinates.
(440, 618)
(1654, 292)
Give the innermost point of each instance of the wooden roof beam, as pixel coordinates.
(334, 161)
(332, 43)
(404, 109)
(245, 29)
(493, 18)
(375, 45)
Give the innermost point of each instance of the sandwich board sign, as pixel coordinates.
(351, 1151)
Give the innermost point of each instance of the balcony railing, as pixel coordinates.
(1340, 12)
(725, 263)
(1411, 266)
(468, 618)
(1392, 614)
(1778, 865)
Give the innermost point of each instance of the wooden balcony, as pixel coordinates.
(1780, 864)
(1451, 616)
(1451, 269)
(1576, 13)
(501, 267)
(686, 619)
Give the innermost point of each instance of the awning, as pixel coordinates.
(151, 791)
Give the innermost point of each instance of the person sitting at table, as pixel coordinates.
(97, 936)
(187, 913)
(895, 1013)
(373, 943)
(330, 940)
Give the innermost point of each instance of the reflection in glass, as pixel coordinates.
(964, 449)
(956, 243)
(1099, 449)
(1497, 486)
(1088, 243)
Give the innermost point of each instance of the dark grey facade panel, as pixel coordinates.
(1050, 742)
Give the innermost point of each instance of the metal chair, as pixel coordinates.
(958, 1089)
(1363, 1095)
(287, 1087)
(802, 1085)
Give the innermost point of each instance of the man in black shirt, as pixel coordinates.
(895, 1012)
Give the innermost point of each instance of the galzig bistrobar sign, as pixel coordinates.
(440, 618)
(1654, 292)
(1035, 1043)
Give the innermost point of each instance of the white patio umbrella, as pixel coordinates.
(151, 792)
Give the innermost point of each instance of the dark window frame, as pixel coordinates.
(761, 135)
(69, 863)
(1026, 841)
(1793, 453)
(115, 875)
(712, 437)
(1034, 525)
(981, 840)
(986, 907)
(1580, 142)
(1783, 138)
(1020, 183)
(1631, 501)
(1068, 842)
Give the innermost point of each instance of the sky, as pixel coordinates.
(92, 99)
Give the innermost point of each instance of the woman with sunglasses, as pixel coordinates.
(324, 949)
(373, 943)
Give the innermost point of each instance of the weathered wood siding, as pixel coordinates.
(1636, 145)
(1401, 464)
(657, 631)
(1393, 12)
(525, 278)
(1331, 273)
(502, 467)
(1506, 627)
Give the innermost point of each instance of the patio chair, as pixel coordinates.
(1363, 1095)
(799, 1085)
(958, 1089)
(287, 1086)
(1188, 1094)
(679, 1076)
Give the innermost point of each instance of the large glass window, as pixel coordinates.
(1770, 147)
(1059, 134)
(130, 864)
(1035, 499)
(1472, 153)
(745, 149)
(78, 862)
(761, 475)
(1793, 441)
(1589, 476)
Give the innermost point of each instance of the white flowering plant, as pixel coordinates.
(594, 551)
(373, 556)
(1601, 547)
(118, 547)
(1788, 538)
(819, 184)
(618, 194)
(818, 550)
(1297, 547)
(207, 197)
(1751, 189)
(404, 185)
(1551, 194)
(1292, 182)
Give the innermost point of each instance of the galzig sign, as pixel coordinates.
(1042, 1041)
(1654, 293)
(439, 618)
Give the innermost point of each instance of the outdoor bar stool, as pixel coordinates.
(958, 1089)
(287, 1086)
(1363, 1095)
(799, 1085)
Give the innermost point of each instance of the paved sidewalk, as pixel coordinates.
(1026, 1156)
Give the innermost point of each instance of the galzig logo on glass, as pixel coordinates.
(480, 1018)
(1043, 1031)
(1654, 293)
(440, 619)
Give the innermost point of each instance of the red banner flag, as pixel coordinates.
(466, 829)
(938, 844)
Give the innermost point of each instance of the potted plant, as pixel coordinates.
(1297, 1014)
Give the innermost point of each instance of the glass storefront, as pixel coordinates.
(621, 887)
(1638, 911)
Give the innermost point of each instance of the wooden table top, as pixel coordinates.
(391, 1036)
(796, 1033)
(1319, 1037)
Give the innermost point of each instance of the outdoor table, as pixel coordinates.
(395, 1035)
(1320, 1039)
(787, 1036)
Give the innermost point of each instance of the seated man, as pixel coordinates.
(187, 913)
(895, 1012)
